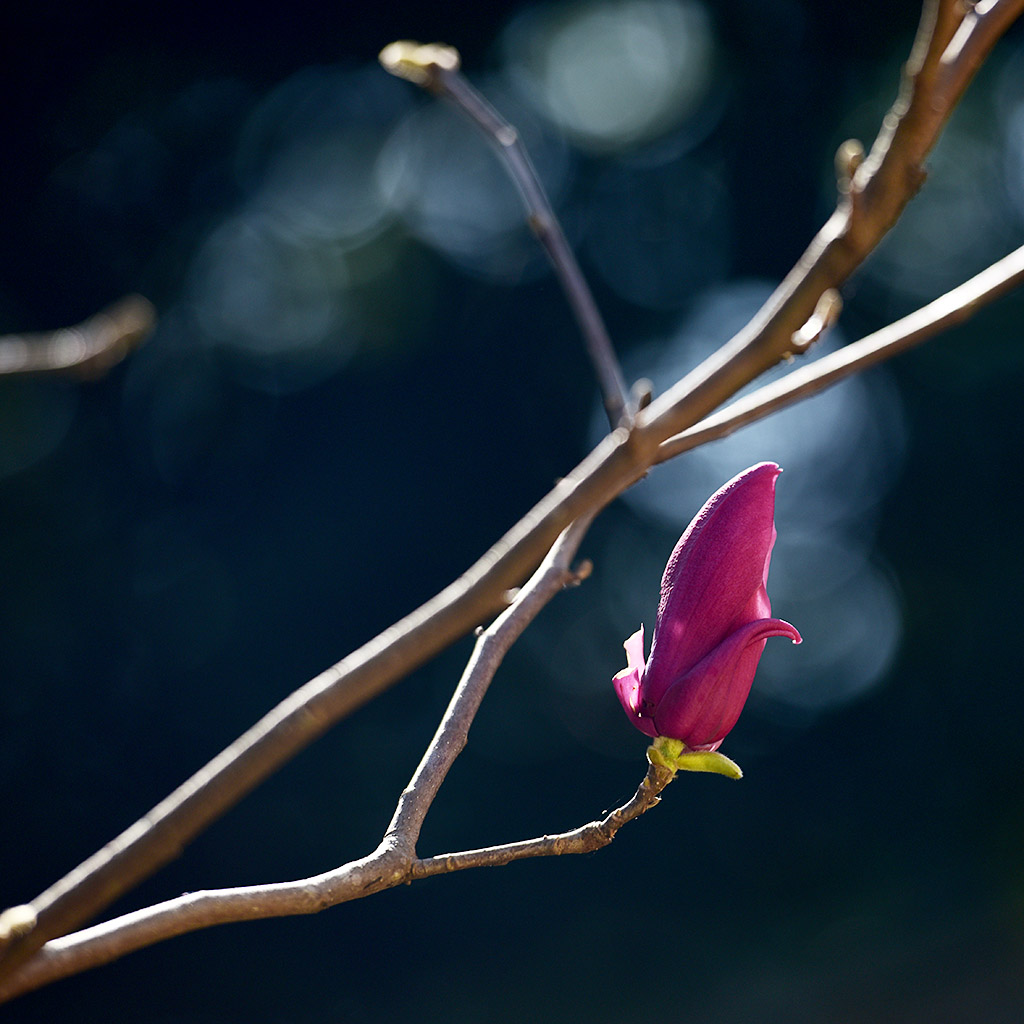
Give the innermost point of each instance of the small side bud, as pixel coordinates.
(709, 761)
(582, 572)
(641, 393)
(825, 314)
(419, 63)
(849, 156)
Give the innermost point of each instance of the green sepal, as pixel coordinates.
(665, 752)
(674, 755)
(709, 761)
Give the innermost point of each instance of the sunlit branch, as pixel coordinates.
(882, 184)
(585, 839)
(982, 25)
(394, 861)
(87, 350)
(384, 869)
(491, 647)
(879, 189)
(953, 308)
(436, 68)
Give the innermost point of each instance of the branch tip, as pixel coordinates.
(419, 63)
(85, 351)
(15, 922)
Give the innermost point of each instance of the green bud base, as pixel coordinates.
(675, 756)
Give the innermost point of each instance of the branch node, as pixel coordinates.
(824, 317)
(849, 156)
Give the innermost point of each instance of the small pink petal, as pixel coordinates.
(627, 686)
(627, 683)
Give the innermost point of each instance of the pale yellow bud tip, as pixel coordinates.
(418, 62)
(15, 922)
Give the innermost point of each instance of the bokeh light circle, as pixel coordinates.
(451, 189)
(614, 73)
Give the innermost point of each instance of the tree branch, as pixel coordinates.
(394, 861)
(879, 189)
(436, 68)
(955, 307)
(491, 647)
(384, 869)
(87, 350)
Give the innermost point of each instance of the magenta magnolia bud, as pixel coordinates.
(713, 619)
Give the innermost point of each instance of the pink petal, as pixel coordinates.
(702, 706)
(635, 651)
(627, 684)
(714, 581)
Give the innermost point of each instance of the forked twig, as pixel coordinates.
(394, 861)
(955, 307)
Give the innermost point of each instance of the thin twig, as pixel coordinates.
(491, 647)
(585, 839)
(436, 68)
(87, 350)
(953, 308)
(881, 185)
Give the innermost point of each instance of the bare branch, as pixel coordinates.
(385, 868)
(491, 647)
(953, 308)
(982, 26)
(881, 186)
(394, 861)
(436, 68)
(87, 350)
(585, 839)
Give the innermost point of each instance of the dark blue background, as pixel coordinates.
(157, 596)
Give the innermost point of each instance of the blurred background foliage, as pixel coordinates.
(364, 373)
